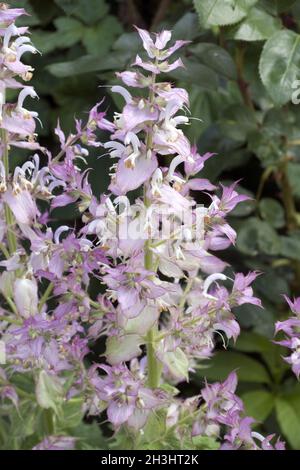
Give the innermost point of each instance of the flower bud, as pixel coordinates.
(26, 297)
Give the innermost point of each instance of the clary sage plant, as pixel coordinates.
(165, 298)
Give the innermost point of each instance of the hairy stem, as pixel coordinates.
(154, 366)
(46, 295)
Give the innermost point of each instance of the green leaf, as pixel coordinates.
(257, 236)
(269, 6)
(45, 10)
(251, 316)
(205, 443)
(284, 5)
(72, 413)
(141, 324)
(267, 146)
(290, 247)
(277, 6)
(272, 281)
(23, 422)
(155, 426)
(268, 142)
(222, 12)
(128, 43)
(89, 435)
(256, 343)
(69, 31)
(197, 74)
(252, 342)
(224, 362)
(45, 42)
(236, 122)
(200, 106)
(244, 208)
(229, 153)
(89, 11)
(296, 11)
(67, 5)
(268, 240)
(279, 65)
(178, 363)
(98, 39)
(215, 57)
(288, 419)
(85, 64)
(272, 212)
(257, 26)
(294, 177)
(258, 404)
(187, 27)
(247, 240)
(49, 391)
(123, 348)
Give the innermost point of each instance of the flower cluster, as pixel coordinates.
(166, 297)
(223, 408)
(291, 328)
(125, 394)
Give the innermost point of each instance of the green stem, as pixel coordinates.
(49, 421)
(10, 320)
(95, 304)
(154, 366)
(11, 304)
(266, 174)
(45, 295)
(4, 250)
(9, 218)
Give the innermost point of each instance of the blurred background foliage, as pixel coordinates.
(241, 66)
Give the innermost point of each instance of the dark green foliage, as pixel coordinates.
(240, 71)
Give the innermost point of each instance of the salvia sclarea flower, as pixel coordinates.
(165, 291)
(124, 393)
(291, 328)
(224, 409)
